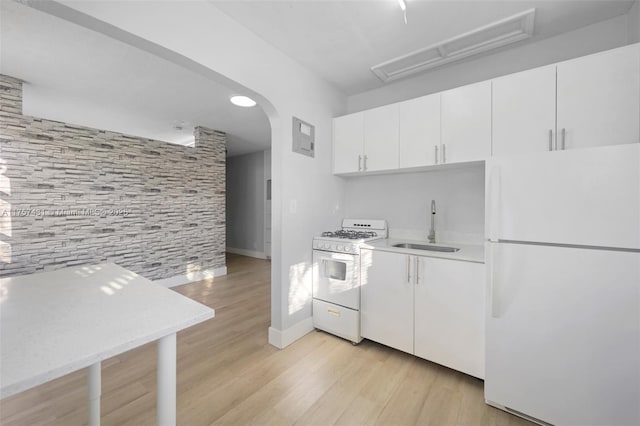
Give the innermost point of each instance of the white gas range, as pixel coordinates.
(336, 276)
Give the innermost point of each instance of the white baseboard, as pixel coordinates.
(283, 338)
(244, 252)
(192, 277)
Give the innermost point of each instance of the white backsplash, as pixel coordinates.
(404, 200)
(441, 236)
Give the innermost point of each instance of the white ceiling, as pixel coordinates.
(342, 40)
(80, 76)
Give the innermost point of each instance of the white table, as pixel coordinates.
(54, 323)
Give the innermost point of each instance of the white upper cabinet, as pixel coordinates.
(599, 99)
(348, 143)
(420, 131)
(366, 141)
(524, 112)
(466, 123)
(381, 138)
(585, 102)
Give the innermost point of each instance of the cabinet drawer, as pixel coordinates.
(336, 319)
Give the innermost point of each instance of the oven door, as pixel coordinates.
(336, 278)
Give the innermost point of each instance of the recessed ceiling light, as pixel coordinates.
(242, 101)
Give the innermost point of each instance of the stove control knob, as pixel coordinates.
(339, 248)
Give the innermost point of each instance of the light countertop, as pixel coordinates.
(53, 323)
(467, 253)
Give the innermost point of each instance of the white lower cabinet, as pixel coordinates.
(430, 307)
(449, 314)
(386, 299)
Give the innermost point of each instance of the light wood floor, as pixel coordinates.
(229, 375)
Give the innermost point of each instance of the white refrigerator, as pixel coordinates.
(563, 256)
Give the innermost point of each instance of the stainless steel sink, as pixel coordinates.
(426, 247)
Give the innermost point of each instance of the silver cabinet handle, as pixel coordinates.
(408, 269)
(564, 138)
(550, 140)
(359, 162)
(365, 163)
(436, 147)
(417, 270)
(444, 154)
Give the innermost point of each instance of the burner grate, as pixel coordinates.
(351, 235)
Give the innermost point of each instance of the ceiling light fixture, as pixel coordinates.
(242, 101)
(403, 6)
(498, 34)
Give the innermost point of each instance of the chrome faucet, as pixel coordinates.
(432, 231)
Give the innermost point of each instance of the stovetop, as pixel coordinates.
(353, 234)
(350, 234)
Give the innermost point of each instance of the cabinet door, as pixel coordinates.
(524, 112)
(599, 99)
(419, 131)
(466, 123)
(381, 138)
(387, 298)
(449, 314)
(348, 143)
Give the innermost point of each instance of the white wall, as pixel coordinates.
(633, 18)
(306, 197)
(246, 204)
(594, 38)
(404, 200)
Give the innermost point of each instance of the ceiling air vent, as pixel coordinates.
(501, 33)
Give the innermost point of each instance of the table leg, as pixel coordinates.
(95, 390)
(167, 381)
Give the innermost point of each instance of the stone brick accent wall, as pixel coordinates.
(72, 195)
